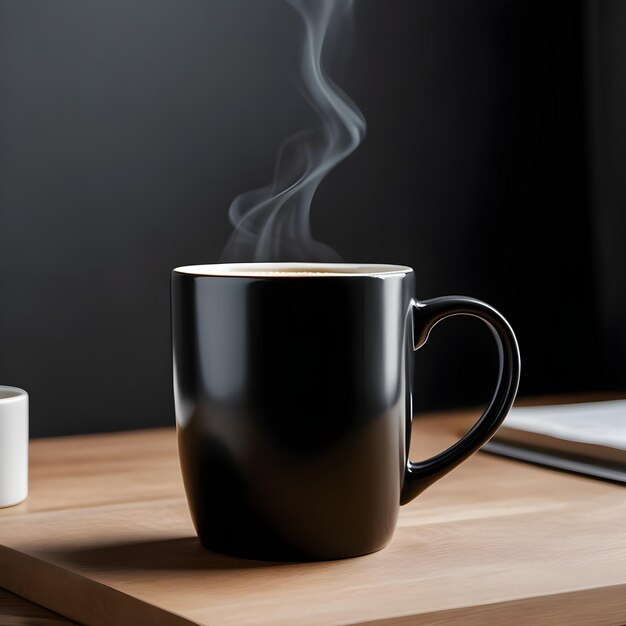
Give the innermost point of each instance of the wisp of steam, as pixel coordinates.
(272, 223)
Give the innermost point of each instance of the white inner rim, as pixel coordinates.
(294, 269)
(10, 394)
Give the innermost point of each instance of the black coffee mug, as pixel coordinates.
(292, 387)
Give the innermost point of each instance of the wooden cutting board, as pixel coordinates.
(105, 538)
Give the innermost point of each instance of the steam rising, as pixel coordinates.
(272, 223)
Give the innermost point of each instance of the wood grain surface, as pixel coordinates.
(15, 611)
(105, 538)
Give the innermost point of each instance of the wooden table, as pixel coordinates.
(15, 611)
(105, 538)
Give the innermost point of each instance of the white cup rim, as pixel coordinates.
(294, 270)
(16, 394)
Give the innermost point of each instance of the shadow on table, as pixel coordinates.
(184, 553)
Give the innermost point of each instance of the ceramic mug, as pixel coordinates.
(13, 445)
(292, 388)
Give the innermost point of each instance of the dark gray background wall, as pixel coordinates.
(492, 164)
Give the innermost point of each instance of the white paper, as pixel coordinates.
(601, 423)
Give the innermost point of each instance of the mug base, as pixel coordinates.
(6, 505)
(283, 555)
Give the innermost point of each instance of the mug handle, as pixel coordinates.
(426, 314)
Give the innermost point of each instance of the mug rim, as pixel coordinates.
(293, 270)
(17, 394)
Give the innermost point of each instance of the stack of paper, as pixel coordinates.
(589, 438)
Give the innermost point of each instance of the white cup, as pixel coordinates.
(13, 445)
